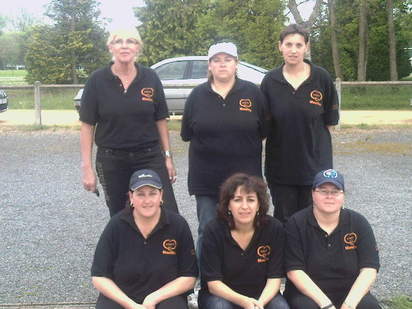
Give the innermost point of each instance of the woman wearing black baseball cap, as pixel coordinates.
(145, 257)
(331, 256)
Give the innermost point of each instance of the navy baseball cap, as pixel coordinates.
(329, 176)
(143, 178)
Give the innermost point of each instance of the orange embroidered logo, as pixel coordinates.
(245, 105)
(350, 240)
(263, 253)
(169, 246)
(316, 97)
(147, 94)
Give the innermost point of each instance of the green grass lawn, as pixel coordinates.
(12, 77)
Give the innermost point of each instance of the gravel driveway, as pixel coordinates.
(49, 225)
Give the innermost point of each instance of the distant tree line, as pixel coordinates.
(353, 39)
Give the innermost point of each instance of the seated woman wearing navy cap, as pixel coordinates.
(145, 257)
(242, 250)
(331, 255)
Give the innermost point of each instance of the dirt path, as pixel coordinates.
(70, 117)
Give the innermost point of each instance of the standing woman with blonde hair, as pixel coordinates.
(123, 110)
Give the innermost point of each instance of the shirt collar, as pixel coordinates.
(343, 218)
(110, 76)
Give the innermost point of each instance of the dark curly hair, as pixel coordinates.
(294, 29)
(249, 184)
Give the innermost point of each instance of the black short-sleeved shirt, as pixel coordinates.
(244, 271)
(299, 144)
(124, 120)
(140, 266)
(332, 261)
(225, 135)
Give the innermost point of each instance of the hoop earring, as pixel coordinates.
(161, 202)
(229, 213)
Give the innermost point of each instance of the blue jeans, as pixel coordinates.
(207, 300)
(114, 168)
(176, 302)
(206, 211)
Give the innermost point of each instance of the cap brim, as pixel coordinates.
(134, 188)
(337, 184)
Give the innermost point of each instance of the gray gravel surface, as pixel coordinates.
(49, 225)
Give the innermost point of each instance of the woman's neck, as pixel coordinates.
(328, 222)
(298, 69)
(123, 69)
(223, 87)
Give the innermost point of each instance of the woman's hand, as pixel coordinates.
(251, 303)
(171, 169)
(89, 179)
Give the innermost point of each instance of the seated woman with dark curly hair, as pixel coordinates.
(242, 252)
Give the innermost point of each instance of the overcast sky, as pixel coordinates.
(120, 11)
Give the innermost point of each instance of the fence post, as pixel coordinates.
(37, 104)
(338, 85)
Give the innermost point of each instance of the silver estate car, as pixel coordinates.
(180, 75)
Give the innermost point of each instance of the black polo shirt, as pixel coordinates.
(124, 120)
(140, 266)
(225, 135)
(244, 271)
(332, 261)
(299, 144)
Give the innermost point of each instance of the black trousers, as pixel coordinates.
(288, 199)
(114, 168)
(177, 302)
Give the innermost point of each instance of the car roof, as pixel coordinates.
(189, 58)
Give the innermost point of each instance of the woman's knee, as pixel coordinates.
(209, 301)
(278, 302)
(177, 302)
(299, 301)
(368, 302)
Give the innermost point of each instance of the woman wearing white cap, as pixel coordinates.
(145, 256)
(124, 112)
(224, 120)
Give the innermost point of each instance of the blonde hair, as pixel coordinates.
(125, 33)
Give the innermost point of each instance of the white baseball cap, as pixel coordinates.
(224, 47)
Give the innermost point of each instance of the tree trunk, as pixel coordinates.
(334, 41)
(293, 7)
(363, 40)
(392, 41)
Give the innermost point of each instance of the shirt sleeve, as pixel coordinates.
(294, 254)
(88, 112)
(186, 131)
(212, 255)
(367, 250)
(276, 269)
(105, 254)
(161, 109)
(331, 116)
(187, 264)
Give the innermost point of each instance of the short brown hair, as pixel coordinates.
(249, 184)
(294, 29)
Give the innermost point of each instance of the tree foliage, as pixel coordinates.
(173, 28)
(347, 35)
(70, 49)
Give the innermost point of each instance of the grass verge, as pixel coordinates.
(398, 302)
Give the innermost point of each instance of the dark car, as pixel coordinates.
(4, 101)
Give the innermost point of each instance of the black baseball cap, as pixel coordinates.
(329, 176)
(145, 177)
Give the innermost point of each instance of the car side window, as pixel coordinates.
(172, 70)
(199, 69)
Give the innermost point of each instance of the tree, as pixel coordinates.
(363, 40)
(12, 49)
(333, 37)
(391, 41)
(168, 28)
(70, 49)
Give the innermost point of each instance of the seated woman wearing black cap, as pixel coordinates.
(242, 253)
(145, 257)
(331, 255)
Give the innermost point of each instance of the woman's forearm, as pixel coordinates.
(306, 286)
(361, 286)
(173, 288)
(110, 289)
(271, 289)
(86, 144)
